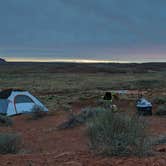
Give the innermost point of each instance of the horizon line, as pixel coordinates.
(76, 60)
(65, 60)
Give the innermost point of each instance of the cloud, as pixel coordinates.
(96, 25)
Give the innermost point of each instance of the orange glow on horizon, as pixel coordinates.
(63, 60)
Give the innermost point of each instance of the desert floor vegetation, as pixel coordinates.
(72, 93)
(5, 121)
(118, 134)
(10, 143)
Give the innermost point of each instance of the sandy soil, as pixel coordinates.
(44, 145)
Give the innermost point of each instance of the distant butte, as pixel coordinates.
(2, 60)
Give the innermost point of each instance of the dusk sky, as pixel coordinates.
(109, 30)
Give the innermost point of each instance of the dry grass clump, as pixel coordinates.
(161, 110)
(118, 134)
(5, 121)
(81, 118)
(9, 143)
(37, 112)
(159, 100)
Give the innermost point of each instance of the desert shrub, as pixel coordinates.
(53, 113)
(37, 112)
(66, 107)
(161, 110)
(146, 84)
(139, 84)
(160, 140)
(9, 143)
(159, 100)
(5, 121)
(81, 118)
(118, 134)
(104, 103)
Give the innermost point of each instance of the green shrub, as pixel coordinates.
(118, 134)
(81, 118)
(159, 100)
(161, 110)
(37, 112)
(9, 143)
(5, 121)
(104, 103)
(160, 140)
(66, 107)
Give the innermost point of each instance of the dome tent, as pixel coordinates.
(13, 102)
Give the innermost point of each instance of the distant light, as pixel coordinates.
(64, 60)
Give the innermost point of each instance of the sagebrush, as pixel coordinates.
(118, 134)
(10, 143)
(5, 121)
(161, 110)
(81, 118)
(37, 112)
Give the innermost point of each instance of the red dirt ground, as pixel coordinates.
(44, 145)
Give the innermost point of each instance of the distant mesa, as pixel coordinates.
(2, 60)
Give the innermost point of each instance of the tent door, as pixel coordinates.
(23, 104)
(24, 107)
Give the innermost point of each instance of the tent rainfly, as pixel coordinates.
(13, 102)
